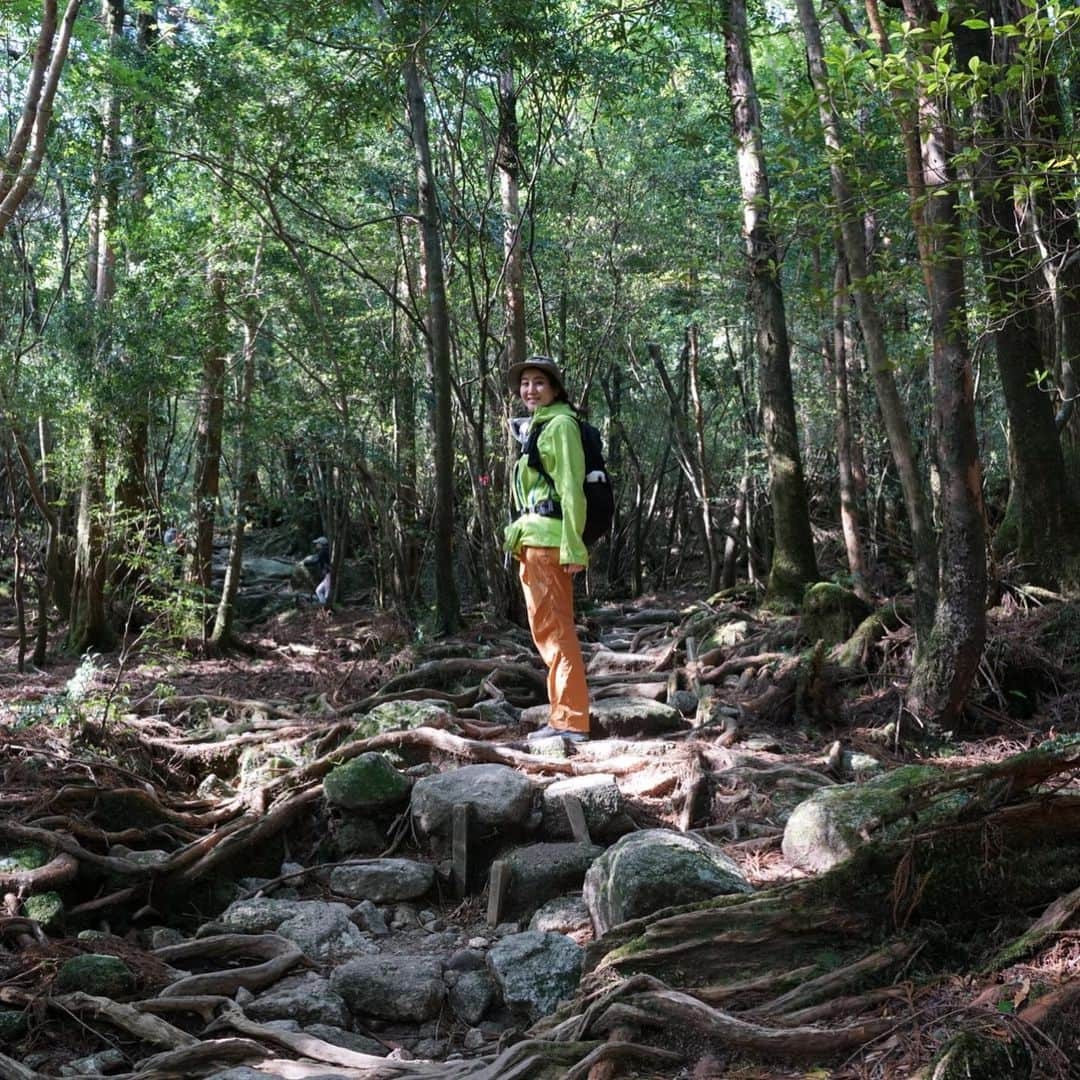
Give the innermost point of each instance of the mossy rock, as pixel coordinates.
(93, 973)
(31, 857)
(12, 1025)
(47, 909)
(367, 782)
(402, 716)
(831, 613)
(727, 635)
(972, 1056)
(827, 828)
(259, 765)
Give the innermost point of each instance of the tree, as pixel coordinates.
(793, 564)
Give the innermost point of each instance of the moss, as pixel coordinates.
(46, 908)
(12, 1025)
(94, 973)
(366, 782)
(830, 613)
(31, 857)
(973, 1056)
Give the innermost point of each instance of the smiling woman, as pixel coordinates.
(545, 538)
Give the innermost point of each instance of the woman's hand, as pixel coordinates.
(572, 568)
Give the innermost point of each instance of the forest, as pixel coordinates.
(813, 271)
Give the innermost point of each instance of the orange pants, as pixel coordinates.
(549, 599)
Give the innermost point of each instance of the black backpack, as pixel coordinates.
(599, 496)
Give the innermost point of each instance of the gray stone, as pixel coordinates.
(404, 918)
(368, 917)
(384, 881)
(355, 835)
(99, 1064)
(257, 915)
(500, 797)
(367, 782)
(474, 1039)
(325, 932)
(399, 988)
(608, 662)
(471, 995)
(213, 787)
(350, 1040)
(307, 999)
(430, 1049)
(93, 973)
(260, 764)
(654, 869)
(12, 1025)
(161, 936)
(600, 800)
(563, 915)
(685, 701)
(828, 827)
(243, 997)
(634, 717)
(402, 716)
(542, 871)
(470, 959)
(535, 971)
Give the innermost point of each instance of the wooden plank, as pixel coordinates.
(498, 884)
(576, 813)
(460, 848)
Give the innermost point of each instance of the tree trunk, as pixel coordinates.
(89, 626)
(206, 471)
(1042, 518)
(438, 329)
(947, 665)
(892, 409)
(793, 564)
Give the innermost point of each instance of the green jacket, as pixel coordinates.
(563, 458)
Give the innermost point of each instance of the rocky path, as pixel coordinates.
(400, 885)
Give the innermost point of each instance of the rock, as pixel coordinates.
(860, 766)
(430, 1049)
(353, 835)
(535, 971)
(830, 613)
(974, 1056)
(627, 717)
(607, 662)
(12, 1025)
(727, 635)
(384, 881)
(150, 858)
(368, 917)
(398, 988)
(402, 716)
(496, 712)
(826, 828)
(307, 999)
(261, 764)
(350, 1040)
(243, 997)
(563, 915)
(471, 995)
(600, 799)
(323, 931)
(213, 787)
(159, 937)
(404, 918)
(474, 1039)
(367, 782)
(47, 909)
(653, 869)
(94, 973)
(539, 872)
(685, 701)
(99, 1064)
(501, 799)
(470, 959)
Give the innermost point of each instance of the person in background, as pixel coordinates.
(545, 538)
(319, 565)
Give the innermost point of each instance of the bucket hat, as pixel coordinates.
(541, 363)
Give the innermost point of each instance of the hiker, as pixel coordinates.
(545, 538)
(319, 565)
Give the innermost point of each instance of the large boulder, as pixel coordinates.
(600, 800)
(399, 988)
(653, 869)
(535, 971)
(830, 825)
(367, 782)
(540, 872)
(633, 717)
(500, 797)
(383, 881)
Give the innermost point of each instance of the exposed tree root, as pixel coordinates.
(278, 954)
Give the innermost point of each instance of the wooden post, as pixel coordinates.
(460, 844)
(498, 884)
(576, 813)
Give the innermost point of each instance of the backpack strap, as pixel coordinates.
(532, 450)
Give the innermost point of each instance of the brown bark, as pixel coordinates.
(793, 563)
(946, 666)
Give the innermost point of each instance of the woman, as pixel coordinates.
(545, 538)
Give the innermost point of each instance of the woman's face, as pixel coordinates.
(536, 389)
